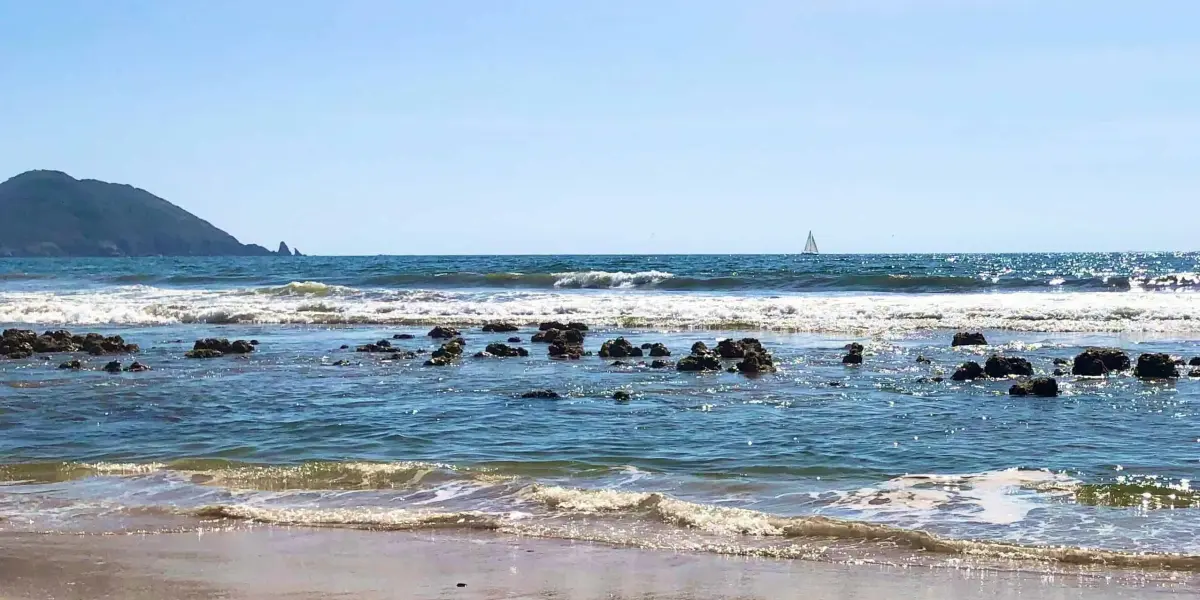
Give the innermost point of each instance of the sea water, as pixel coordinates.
(815, 460)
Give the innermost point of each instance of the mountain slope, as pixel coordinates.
(49, 213)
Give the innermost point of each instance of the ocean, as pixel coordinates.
(887, 461)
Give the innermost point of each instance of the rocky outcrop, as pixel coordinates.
(113, 367)
(443, 333)
(964, 338)
(224, 346)
(137, 367)
(447, 354)
(23, 343)
(283, 250)
(1155, 366)
(738, 348)
(658, 350)
(1003, 366)
(1042, 387)
(380, 346)
(203, 354)
(619, 348)
(1094, 362)
(700, 348)
(969, 371)
(71, 364)
(499, 328)
(548, 325)
(550, 336)
(756, 361)
(921, 360)
(563, 350)
(658, 364)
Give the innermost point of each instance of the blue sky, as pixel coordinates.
(541, 126)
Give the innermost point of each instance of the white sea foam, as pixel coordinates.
(880, 314)
(605, 279)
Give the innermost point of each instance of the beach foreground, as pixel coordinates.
(305, 563)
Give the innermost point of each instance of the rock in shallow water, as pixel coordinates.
(499, 327)
(619, 348)
(548, 394)
(1156, 366)
(698, 363)
(504, 350)
(440, 332)
(1003, 366)
(964, 338)
(967, 372)
(1042, 387)
(113, 367)
(1094, 362)
(621, 396)
(203, 354)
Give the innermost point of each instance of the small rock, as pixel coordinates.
(1061, 361)
(923, 360)
(1059, 372)
(646, 346)
(205, 353)
(1155, 366)
(344, 347)
(443, 332)
(403, 336)
(137, 367)
(549, 394)
(439, 361)
(113, 367)
(253, 342)
(514, 340)
(619, 348)
(698, 363)
(1094, 362)
(405, 355)
(504, 350)
(340, 363)
(223, 345)
(963, 338)
(499, 327)
(619, 363)
(853, 358)
(71, 364)
(756, 361)
(657, 349)
(738, 348)
(967, 372)
(621, 396)
(1002, 366)
(658, 364)
(1042, 387)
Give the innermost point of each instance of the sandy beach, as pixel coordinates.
(307, 563)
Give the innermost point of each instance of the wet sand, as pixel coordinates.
(283, 563)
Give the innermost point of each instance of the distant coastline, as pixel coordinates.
(51, 214)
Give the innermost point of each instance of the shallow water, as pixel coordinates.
(716, 461)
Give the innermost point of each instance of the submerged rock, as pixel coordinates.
(380, 346)
(504, 350)
(203, 354)
(404, 355)
(658, 364)
(1099, 361)
(113, 367)
(1042, 387)
(546, 394)
(621, 396)
(403, 336)
(499, 327)
(1155, 366)
(137, 367)
(964, 338)
(71, 364)
(562, 350)
(923, 360)
(1002, 366)
(550, 336)
(619, 348)
(1195, 362)
(967, 372)
(698, 363)
(224, 346)
(514, 340)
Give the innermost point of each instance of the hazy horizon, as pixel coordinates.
(469, 128)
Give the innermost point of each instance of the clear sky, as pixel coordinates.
(625, 126)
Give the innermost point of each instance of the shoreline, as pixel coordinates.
(283, 562)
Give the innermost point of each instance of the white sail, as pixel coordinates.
(810, 247)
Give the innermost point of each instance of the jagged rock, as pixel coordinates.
(621, 396)
(499, 327)
(1042, 387)
(137, 367)
(968, 371)
(562, 350)
(1099, 361)
(113, 367)
(505, 350)
(619, 348)
(205, 353)
(296, 252)
(514, 340)
(694, 362)
(658, 364)
(224, 346)
(657, 349)
(283, 250)
(738, 348)
(544, 394)
(443, 332)
(1002, 366)
(71, 364)
(1155, 366)
(756, 362)
(963, 338)
(923, 360)
(699, 348)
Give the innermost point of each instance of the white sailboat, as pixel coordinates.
(810, 247)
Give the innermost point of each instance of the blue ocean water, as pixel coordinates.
(693, 461)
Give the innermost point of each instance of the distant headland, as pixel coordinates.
(50, 213)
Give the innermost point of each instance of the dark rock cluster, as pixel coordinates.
(23, 343)
(218, 347)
